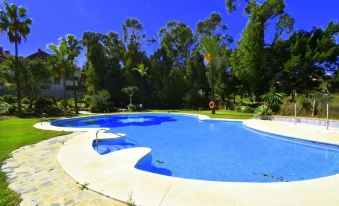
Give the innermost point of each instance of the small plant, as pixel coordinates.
(84, 186)
(246, 109)
(100, 101)
(273, 99)
(130, 92)
(263, 111)
(130, 201)
(133, 107)
(87, 100)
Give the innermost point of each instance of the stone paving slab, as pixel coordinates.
(34, 172)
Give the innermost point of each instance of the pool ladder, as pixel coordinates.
(44, 117)
(97, 139)
(96, 136)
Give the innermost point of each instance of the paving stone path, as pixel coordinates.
(34, 172)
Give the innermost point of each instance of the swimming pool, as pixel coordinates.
(215, 150)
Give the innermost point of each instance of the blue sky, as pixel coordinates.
(53, 19)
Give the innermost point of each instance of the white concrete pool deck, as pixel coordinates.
(114, 174)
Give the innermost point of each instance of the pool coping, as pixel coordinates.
(116, 177)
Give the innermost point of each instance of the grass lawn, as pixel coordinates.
(218, 113)
(15, 133)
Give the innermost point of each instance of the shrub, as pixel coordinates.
(71, 102)
(246, 109)
(100, 102)
(133, 107)
(273, 99)
(10, 99)
(87, 100)
(44, 105)
(6, 109)
(263, 111)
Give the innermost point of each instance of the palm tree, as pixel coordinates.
(74, 49)
(130, 91)
(14, 21)
(61, 65)
(209, 46)
(65, 54)
(142, 70)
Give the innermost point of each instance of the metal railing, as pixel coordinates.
(96, 136)
(45, 117)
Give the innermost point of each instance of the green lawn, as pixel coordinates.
(218, 114)
(15, 133)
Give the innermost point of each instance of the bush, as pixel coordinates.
(6, 109)
(71, 102)
(100, 102)
(44, 105)
(263, 111)
(273, 99)
(246, 109)
(10, 99)
(133, 107)
(87, 100)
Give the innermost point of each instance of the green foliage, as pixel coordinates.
(178, 77)
(248, 62)
(34, 77)
(105, 53)
(176, 39)
(310, 54)
(246, 109)
(15, 23)
(263, 111)
(70, 102)
(6, 108)
(87, 100)
(10, 99)
(133, 107)
(210, 26)
(44, 105)
(142, 70)
(130, 92)
(197, 86)
(100, 102)
(273, 99)
(63, 61)
(210, 46)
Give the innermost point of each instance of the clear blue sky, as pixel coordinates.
(53, 19)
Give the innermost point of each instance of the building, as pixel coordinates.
(56, 88)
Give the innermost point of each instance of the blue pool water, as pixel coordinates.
(184, 146)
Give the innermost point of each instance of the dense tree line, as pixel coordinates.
(192, 67)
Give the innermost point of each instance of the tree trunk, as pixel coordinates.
(130, 99)
(212, 88)
(75, 96)
(17, 78)
(142, 91)
(30, 103)
(313, 107)
(65, 98)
